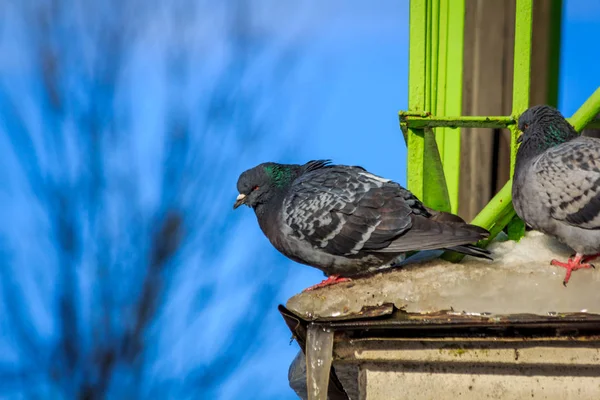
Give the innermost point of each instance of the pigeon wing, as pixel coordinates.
(569, 179)
(344, 210)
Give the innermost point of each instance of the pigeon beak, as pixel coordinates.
(520, 138)
(241, 199)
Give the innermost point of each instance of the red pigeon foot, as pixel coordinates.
(331, 280)
(573, 264)
(588, 258)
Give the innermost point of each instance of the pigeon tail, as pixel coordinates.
(472, 250)
(429, 234)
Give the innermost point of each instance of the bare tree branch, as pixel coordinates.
(114, 258)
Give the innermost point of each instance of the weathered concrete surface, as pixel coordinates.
(489, 383)
(519, 280)
(476, 369)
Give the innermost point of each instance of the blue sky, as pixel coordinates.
(579, 75)
(340, 102)
(364, 56)
(355, 67)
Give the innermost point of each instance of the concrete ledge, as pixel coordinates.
(519, 280)
(506, 329)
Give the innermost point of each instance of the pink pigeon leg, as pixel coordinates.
(331, 280)
(573, 264)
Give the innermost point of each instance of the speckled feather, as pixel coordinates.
(344, 210)
(344, 220)
(557, 183)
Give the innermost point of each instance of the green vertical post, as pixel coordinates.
(433, 40)
(441, 84)
(521, 93)
(451, 69)
(522, 69)
(416, 94)
(426, 178)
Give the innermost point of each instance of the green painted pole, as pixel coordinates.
(433, 14)
(586, 112)
(425, 174)
(421, 121)
(441, 94)
(521, 98)
(453, 96)
(416, 94)
(522, 70)
(498, 213)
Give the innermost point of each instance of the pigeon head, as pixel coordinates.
(259, 184)
(543, 127)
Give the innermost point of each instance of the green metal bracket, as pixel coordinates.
(435, 94)
(522, 69)
(584, 117)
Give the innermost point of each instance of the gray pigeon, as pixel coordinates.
(344, 220)
(556, 187)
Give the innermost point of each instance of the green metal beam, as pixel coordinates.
(441, 95)
(431, 64)
(425, 174)
(421, 121)
(416, 94)
(498, 213)
(587, 112)
(450, 80)
(522, 69)
(435, 192)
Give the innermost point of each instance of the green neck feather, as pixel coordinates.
(555, 136)
(280, 175)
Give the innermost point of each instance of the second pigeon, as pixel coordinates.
(556, 187)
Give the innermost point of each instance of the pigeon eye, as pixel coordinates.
(254, 188)
(525, 126)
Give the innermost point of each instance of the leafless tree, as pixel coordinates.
(89, 284)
